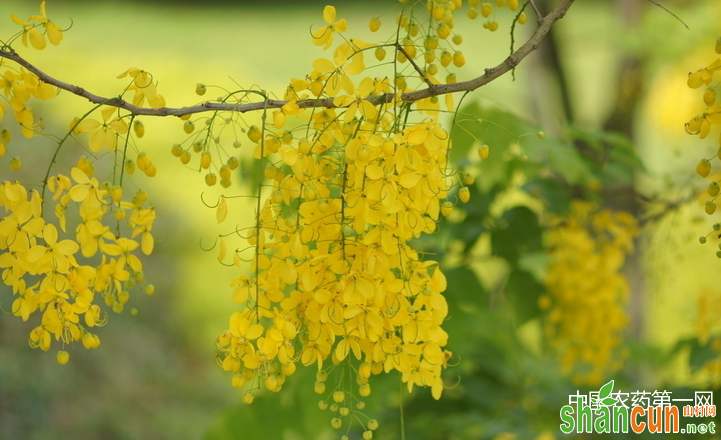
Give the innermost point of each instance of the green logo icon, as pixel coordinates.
(603, 396)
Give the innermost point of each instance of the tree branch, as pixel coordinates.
(535, 8)
(544, 25)
(416, 66)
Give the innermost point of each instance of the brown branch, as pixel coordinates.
(416, 66)
(535, 8)
(667, 208)
(544, 25)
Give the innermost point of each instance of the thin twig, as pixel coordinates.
(668, 207)
(670, 12)
(535, 8)
(490, 74)
(415, 66)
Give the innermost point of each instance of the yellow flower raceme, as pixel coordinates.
(708, 312)
(702, 126)
(52, 274)
(587, 291)
(334, 280)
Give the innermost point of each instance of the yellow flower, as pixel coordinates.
(703, 76)
(55, 252)
(104, 134)
(701, 124)
(31, 33)
(86, 188)
(143, 87)
(356, 105)
(324, 36)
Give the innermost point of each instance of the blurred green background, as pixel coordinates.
(154, 375)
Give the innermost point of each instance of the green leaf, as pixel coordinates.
(523, 290)
(701, 354)
(608, 401)
(605, 390)
(464, 287)
(616, 157)
(698, 354)
(509, 137)
(465, 132)
(476, 214)
(289, 211)
(251, 174)
(535, 263)
(296, 406)
(555, 196)
(560, 157)
(498, 129)
(518, 233)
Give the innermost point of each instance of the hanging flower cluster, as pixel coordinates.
(587, 292)
(65, 279)
(702, 125)
(706, 326)
(331, 278)
(69, 249)
(333, 270)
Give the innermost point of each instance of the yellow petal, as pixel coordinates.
(374, 172)
(364, 287)
(36, 39)
(143, 80)
(97, 140)
(342, 350)
(241, 294)
(17, 20)
(340, 26)
(147, 243)
(119, 126)
(278, 119)
(251, 361)
(356, 65)
(254, 331)
(45, 91)
(107, 112)
(437, 389)
(290, 108)
(322, 296)
(323, 65)
(222, 211)
(321, 37)
(35, 253)
(156, 101)
(55, 35)
(368, 110)
(87, 125)
(329, 14)
(695, 80)
(308, 280)
(410, 180)
(50, 234)
(289, 154)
